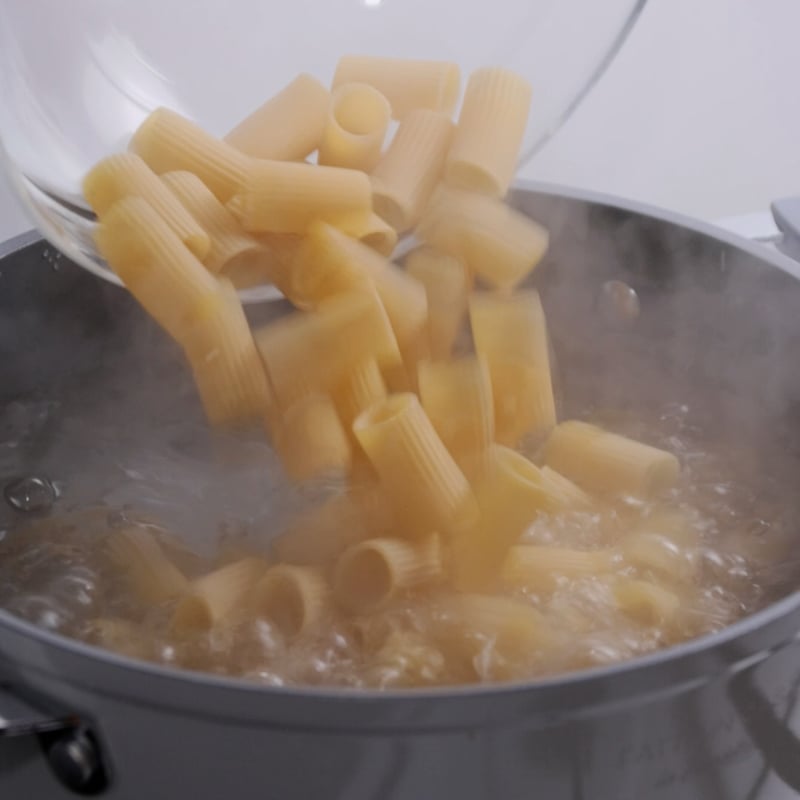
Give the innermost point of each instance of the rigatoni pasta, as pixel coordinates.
(356, 127)
(407, 84)
(287, 127)
(490, 128)
(291, 597)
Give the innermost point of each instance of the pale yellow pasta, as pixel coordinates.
(271, 263)
(362, 387)
(158, 269)
(228, 242)
(407, 84)
(374, 232)
(646, 602)
(420, 478)
(169, 142)
(447, 285)
(286, 197)
(408, 172)
(500, 245)
(121, 636)
(560, 493)
(318, 536)
(356, 127)
(510, 332)
(659, 554)
(598, 460)
(314, 350)
(217, 595)
(539, 568)
(509, 498)
(227, 368)
(406, 659)
(288, 126)
(370, 573)
(291, 597)
(331, 262)
(127, 175)
(491, 125)
(310, 440)
(153, 577)
(457, 397)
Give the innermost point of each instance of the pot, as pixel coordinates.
(653, 308)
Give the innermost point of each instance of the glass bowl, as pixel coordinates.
(78, 77)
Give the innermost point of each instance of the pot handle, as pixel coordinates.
(773, 737)
(68, 744)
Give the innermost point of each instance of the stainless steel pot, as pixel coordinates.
(713, 324)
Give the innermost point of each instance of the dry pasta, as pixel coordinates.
(490, 130)
(361, 388)
(217, 595)
(227, 241)
(288, 126)
(314, 350)
(370, 573)
(169, 142)
(457, 397)
(291, 597)
(126, 175)
(406, 176)
(420, 478)
(153, 576)
(602, 461)
(286, 197)
(447, 285)
(158, 269)
(406, 83)
(310, 439)
(500, 245)
(374, 232)
(356, 127)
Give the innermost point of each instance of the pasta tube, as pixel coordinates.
(457, 397)
(491, 125)
(361, 388)
(286, 197)
(659, 554)
(288, 126)
(607, 462)
(310, 440)
(356, 127)
(169, 142)
(539, 568)
(158, 269)
(124, 175)
(227, 241)
(646, 602)
(153, 577)
(447, 285)
(227, 369)
(509, 498)
(406, 176)
(373, 232)
(217, 595)
(313, 351)
(420, 478)
(370, 573)
(407, 84)
(291, 597)
(331, 262)
(500, 245)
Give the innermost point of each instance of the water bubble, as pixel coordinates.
(619, 303)
(30, 494)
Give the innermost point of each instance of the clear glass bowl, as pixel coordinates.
(78, 76)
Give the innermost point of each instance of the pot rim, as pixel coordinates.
(680, 667)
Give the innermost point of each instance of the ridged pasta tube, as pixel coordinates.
(169, 142)
(292, 597)
(646, 602)
(361, 388)
(598, 460)
(374, 232)
(420, 478)
(127, 175)
(538, 568)
(491, 125)
(407, 84)
(288, 126)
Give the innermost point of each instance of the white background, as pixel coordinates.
(700, 113)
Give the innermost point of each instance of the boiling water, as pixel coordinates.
(227, 496)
